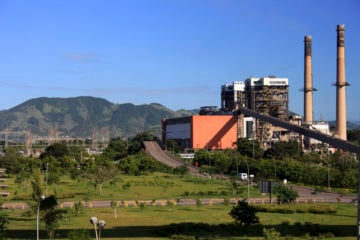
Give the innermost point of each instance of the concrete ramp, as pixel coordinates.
(155, 151)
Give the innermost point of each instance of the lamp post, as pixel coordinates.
(248, 180)
(42, 197)
(171, 134)
(328, 174)
(94, 221)
(46, 178)
(97, 224)
(101, 225)
(248, 175)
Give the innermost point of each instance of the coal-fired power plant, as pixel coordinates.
(341, 84)
(258, 108)
(308, 85)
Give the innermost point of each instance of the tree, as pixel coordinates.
(244, 214)
(101, 174)
(135, 144)
(10, 161)
(354, 136)
(202, 157)
(37, 184)
(249, 147)
(52, 215)
(285, 194)
(221, 162)
(116, 149)
(128, 165)
(56, 150)
(3, 224)
(114, 206)
(282, 150)
(181, 170)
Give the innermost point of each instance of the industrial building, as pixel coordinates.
(219, 129)
(232, 96)
(267, 96)
(202, 131)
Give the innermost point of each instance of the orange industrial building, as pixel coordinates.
(202, 131)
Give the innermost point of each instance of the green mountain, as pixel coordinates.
(82, 116)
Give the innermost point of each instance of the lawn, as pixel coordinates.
(185, 222)
(129, 187)
(206, 222)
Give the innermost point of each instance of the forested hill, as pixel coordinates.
(81, 116)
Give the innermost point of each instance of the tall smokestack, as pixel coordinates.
(341, 84)
(308, 88)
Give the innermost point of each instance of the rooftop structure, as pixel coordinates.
(268, 95)
(232, 96)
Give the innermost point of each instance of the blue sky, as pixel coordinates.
(174, 52)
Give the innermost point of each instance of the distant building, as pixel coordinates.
(232, 96)
(202, 131)
(269, 95)
(320, 126)
(219, 129)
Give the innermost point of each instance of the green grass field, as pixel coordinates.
(145, 187)
(180, 222)
(206, 222)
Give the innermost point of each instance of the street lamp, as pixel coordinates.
(248, 175)
(93, 221)
(248, 180)
(171, 134)
(42, 197)
(101, 224)
(328, 174)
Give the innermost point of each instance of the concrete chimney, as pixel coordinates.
(341, 84)
(308, 88)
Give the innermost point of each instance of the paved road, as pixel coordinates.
(309, 193)
(306, 196)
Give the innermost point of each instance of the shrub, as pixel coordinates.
(198, 202)
(298, 224)
(126, 186)
(244, 214)
(285, 223)
(285, 194)
(271, 234)
(186, 193)
(322, 210)
(78, 208)
(141, 205)
(300, 210)
(79, 234)
(284, 210)
(261, 209)
(223, 193)
(182, 237)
